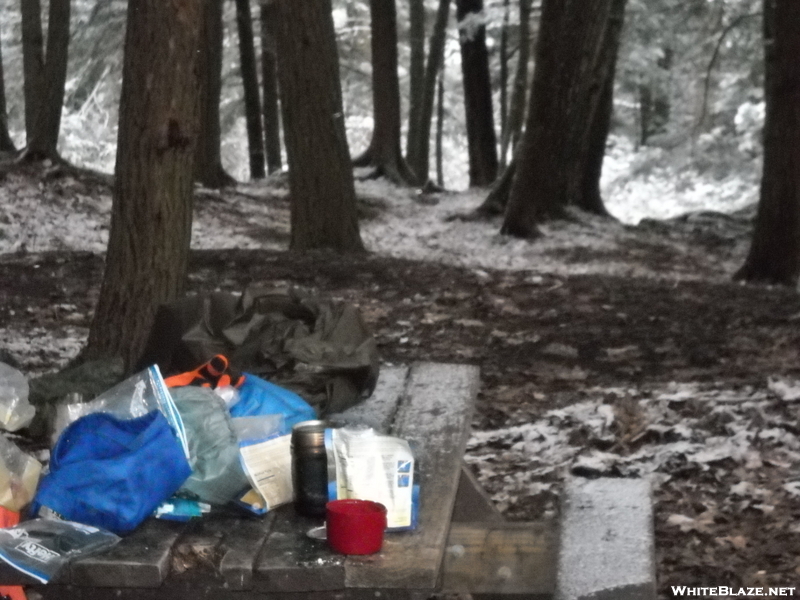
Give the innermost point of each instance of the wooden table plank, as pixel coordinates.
(501, 558)
(435, 417)
(140, 560)
(292, 562)
(218, 552)
(379, 410)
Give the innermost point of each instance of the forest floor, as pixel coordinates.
(661, 367)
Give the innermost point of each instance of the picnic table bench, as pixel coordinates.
(234, 556)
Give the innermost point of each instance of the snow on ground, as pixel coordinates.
(65, 216)
(659, 433)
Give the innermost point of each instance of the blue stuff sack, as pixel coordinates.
(113, 473)
(260, 397)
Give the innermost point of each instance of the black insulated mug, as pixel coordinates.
(309, 468)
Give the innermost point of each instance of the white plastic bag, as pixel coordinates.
(15, 410)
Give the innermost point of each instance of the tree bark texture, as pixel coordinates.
(416, 71)
(43, 142)
(151, 215)
(208, 168)
(654, 102)
(252, 103)
(384, 153)
(32, 61)
(481, 137)
(440, 132)
(323, 204)
(516, 109)
(269, 84)
(774, 254)
(6, 143)
(419, 154)
(574, 60)
(504, 71)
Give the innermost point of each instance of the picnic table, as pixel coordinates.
(234, 556)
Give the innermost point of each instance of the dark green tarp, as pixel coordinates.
(321, 350)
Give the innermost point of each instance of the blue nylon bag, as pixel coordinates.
(113, 473)
(260, 397)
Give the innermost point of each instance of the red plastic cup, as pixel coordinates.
(355, 526)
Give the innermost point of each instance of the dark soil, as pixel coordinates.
(540, 342)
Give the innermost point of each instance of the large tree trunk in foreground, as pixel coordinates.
(151, 217)
(481, 137)
(323, 201)
(775, 249)
(269, 83)
(384, 152)
(208, 168)
(43, 142)
(252, 103)
(32, 62)
(419, 133)
(575, 54)
(6, 143)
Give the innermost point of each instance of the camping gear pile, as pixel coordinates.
(214, 431)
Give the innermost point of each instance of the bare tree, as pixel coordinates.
(383, 152)
(6, 143)
(151, 215)
(323, 201)
(252, 103)
(208, 168)
(481, 137)
(516, 110)
(568, 114)
(44, 141)
(419, 127)
(269, 84)
(775, 249)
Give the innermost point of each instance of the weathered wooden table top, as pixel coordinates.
(428, 404)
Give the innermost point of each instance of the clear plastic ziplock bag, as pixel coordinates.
(19, 476)
(15, 410)
(41, 547)
(135, 397)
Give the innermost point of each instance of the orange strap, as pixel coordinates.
(215, 373)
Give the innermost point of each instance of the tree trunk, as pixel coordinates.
(516, 110)
(574, 61)
(440, 132)
(32, 61)
(774, 255)
(654, 103)
(504, 74)
(419, 155)
(151, 217)
(208, 168)
(384, 152)
(497, 199)
(269, 83)
(416, 71)
(6, 143)
(252, 103)
(323, 204)
(481, 137)
(44, 141)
